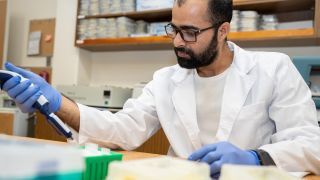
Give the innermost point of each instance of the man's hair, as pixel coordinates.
(219, 11)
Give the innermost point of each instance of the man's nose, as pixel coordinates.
(178, 41)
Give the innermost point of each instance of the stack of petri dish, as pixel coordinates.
(157, 28)
(82, 29)
(128, 5)
(235, 22)
(141, 27)
(125, 26)
(269, 22)
(92, 28)
(94, 7)
(112, 28)
(104, 6)
(249, 21)
(115, 6)
(84, 7)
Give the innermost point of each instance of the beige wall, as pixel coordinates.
(128, 68)
(3, 15)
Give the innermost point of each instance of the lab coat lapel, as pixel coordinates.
(238, 85)
(184, 102)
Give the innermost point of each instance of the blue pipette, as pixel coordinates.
(42, 104)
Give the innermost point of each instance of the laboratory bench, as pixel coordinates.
(128, 155)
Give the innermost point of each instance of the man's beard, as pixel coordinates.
(198, 60)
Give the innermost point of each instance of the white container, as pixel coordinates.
(158, 169)
(28, 160)
(143, 5)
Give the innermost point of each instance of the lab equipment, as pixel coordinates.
(42, 104)
(22, 159)
(222, 153)
(304, 64)
(158, 168)
(97, 96)
(137, 89)
(97, 160)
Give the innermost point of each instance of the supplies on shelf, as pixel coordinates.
(84, 7)
(97, 28)
(128, 5)
(114, 6)
(97, 7)
(269, 22)
(143, 5)
(249, 21)
(296, 24)
(142, 27)
(106, 28)
(104, 7)
(252, 21)
(157, 28)
(125, 26)
(118, 27)
(235, 22)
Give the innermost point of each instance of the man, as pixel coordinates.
(220, 105)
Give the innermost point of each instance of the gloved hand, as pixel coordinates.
(222, 153)
(25, 95)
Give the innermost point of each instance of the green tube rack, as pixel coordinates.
(97, 166)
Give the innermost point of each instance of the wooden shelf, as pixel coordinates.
(272, 35)
(273, 5)
(118, 44)
(277, 38)
(163, 42)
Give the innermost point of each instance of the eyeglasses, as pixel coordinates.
(188, 35)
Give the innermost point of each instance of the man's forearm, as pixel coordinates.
(69, 113)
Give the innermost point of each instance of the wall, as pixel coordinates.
(128, 68)
(293, 51)
(70, 64)
(6, 37)
(3, 18)
(20, 13)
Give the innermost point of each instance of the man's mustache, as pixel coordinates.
(182, 49)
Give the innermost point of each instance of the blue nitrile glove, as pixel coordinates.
(222, 153)
(25, 95)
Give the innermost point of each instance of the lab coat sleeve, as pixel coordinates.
(127, 129)
(295, 146)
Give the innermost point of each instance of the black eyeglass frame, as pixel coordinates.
(178, 30)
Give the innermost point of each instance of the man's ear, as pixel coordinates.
(223, 31)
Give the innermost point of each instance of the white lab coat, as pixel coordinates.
(266, 105)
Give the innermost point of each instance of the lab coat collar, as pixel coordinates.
(181, 74)
(242, 60)
(184, 102)
(238, 85)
